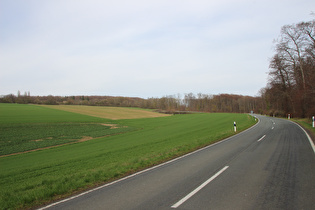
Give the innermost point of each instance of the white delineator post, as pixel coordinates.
(313, 122)
(288, 116)
(234, 126)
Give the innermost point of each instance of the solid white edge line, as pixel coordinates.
(308, 136)
(261, 138)
(198, 188)
(145, 170)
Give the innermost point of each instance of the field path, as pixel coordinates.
(113, 113)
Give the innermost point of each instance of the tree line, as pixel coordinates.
(291, 85)
(290, 88)
(173, 103)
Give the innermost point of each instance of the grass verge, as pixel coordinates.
(306, 123)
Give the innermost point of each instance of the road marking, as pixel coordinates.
(262, 138)
(199, 188)
(308, 136)
(272, 128)
(148, 169)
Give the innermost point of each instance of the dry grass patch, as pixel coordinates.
(114, 113)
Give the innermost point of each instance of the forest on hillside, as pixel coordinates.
(290, 89)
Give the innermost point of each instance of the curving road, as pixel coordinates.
(270, 166)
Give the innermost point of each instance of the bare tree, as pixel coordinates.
(293, 69)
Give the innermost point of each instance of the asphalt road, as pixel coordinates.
(270, 166)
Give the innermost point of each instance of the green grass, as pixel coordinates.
(306, 123)
(26, 127)
(21, 113)
(33, 178)
(17, 138)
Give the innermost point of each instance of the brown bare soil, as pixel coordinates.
(113, 113)
(112, 126)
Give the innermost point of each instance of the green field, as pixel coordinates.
(33, 178)
(26, 127)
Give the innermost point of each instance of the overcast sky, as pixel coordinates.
(141, 48)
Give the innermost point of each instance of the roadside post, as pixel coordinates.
(234, 126)
(313, 119)
(289, 116)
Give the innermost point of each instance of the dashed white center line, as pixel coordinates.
(199, 188)
(262, 138)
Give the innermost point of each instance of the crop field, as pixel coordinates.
(25, 127)
(114, 113)
(38, 177)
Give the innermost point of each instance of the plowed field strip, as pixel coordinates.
(114, 113)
